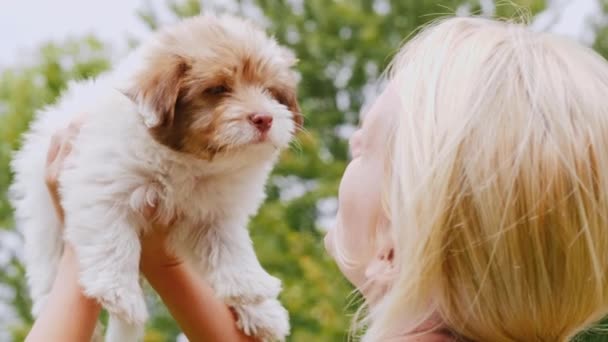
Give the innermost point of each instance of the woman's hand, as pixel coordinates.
(60, 148)
(66, 299)
(154, 255)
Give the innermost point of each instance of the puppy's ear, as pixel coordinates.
(294, 107)
(289, 97)
(289, 56)
(156, 89)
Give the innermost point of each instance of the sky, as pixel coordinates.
(26, 24)
(572, 18)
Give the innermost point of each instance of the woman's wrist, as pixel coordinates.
(200, 314)
(67, 282)
(156, 262)
(158, 273)
(68, 262)
(66, 301)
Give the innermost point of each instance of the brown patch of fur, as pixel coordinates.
(288, 97)
(160, 86)
(195, 133)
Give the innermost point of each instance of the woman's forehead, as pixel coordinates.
(377, 119)
(371, 96)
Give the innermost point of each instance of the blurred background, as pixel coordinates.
(343, 47)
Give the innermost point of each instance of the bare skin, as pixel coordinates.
(191, 301)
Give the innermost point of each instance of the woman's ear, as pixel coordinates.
(382, 266)
(156, 89)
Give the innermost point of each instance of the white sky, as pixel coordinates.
(572, 18)
(25, 24)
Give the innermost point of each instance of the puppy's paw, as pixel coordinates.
(129, 304)
(126, 301)
(246, 287)
(267, 320)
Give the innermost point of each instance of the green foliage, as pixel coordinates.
(601, 40)
(343, 47)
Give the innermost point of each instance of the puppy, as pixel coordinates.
(190, 123)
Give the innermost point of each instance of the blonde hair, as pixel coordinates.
(499, 195)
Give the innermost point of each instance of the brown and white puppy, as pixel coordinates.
(192, 123)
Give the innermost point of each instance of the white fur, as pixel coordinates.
(117, 168)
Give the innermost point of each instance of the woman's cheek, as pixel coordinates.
(347, 190)
(329, 243)
(347, 240)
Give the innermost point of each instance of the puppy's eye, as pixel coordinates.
(280, 97)
(217, 90)
(282, 100)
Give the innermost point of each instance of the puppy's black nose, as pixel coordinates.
(261, 121)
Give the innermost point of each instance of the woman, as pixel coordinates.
(485, 219)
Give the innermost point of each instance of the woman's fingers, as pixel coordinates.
(61, 146)
(52, 172)
(53, 149)
(59, 149)
(51, 159)
(64, 150)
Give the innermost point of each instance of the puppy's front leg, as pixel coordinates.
(233, 270)
(108, 249)
(231, 266)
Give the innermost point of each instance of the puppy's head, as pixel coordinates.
(215, 85)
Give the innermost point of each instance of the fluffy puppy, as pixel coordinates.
(191, 123)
